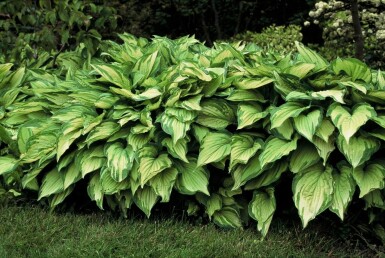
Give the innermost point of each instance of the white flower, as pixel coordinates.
(316, 22)
(306, 23)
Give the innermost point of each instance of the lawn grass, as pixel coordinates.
(27, 231)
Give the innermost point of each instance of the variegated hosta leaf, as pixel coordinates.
(303, 157)
(344, 187)
(193, 70)
(262, 209)
(199, 132)
(337, 95)
(313, 191)
(370, 177)
(268, 176)
(90, 160)
(53, 183)
(68, 114)
(215, 147)
(176, 122)
(374, 199)
(309, 56)
(191, 178)
(380, 80)
(145, 198)
(137, 141)
(40, 147)
(145, 95)
(216, 114)
(325, 130)
(163, 183)
(282, 113)
(65, 140)
(275, 149)
(358, 150)
(119, 160)
(177, 150)
(58, 198)
(113, 74)
(284, 131)
(8, 164)
(252, 83)
(306, 125)
(246, 95)
(109, 185)
(102, 131)
(354, 68)
(227, 217)
(355, 85)
(324, 148)
(192, 103)
(151, 165)
(349, 123)
(299, 70)
(244, 172)
(95, 190)
(243, 147)
(72, 174)
(248, 114)
(213, 204)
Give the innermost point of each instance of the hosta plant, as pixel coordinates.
(222, 127)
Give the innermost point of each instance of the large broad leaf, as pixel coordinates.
(243, 147)
(248, 114)
(7, 164)
(252, 83)
(215, 147)
(262, 209)
(119, 160)
(313, 191)
(191, 178)
(243, 173)
(344, 187)
(177, 150)
(163, 183)
(102, 131)
(275, 149)
(309, 56)
(324, 148)
(216, 114)
(284, 131)
(282, 113)
(53, 183)
(145, 199)
(337, 95)
(306, 125)
(213, 204)
(95, 190)
(370, 177)
(356, 69)
(299, 70)
(176, 122)
(349, 123)
(72, 174)
(268, 177)
(227, 217)
(90, 160)
(65, 141)
(113, 74)
(325, 130)
(41, 146)
(246, 95)
(150, 166)
(358, 150)
(304, 157)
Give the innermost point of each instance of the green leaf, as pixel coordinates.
(380, 80)
(354, 68)
(284, 131)
(216, 114)
(355, 85)
(53, 183)
(102, 131)
(4, 69)
(227, 217)
(370, 178)
(309, 56)
(191, 178)
(145, 199)
(244, 172)
(150, 166)
(119, 160)
(248, 114)
(72, 174)
(177, 150)
(303, 157)
(176, 122)
(358, 150)
(113, 74)
(349, 123)
(282, 113)
(252, 83)
(90, 160)
(262, 208)
(65, 140)
(163, 183)
(246, 95)
(324, 148)
(243, 147)
(313, 191)
(213, 204)
(344, 187)
(275, 149)
(336, 95)
(325, 130)
(299, 70)
(8, 164)
(215, 147)
(193, 70)
(268, 177)
(306, 125)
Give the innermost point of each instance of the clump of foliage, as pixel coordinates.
(273, 38)
(220, 126)
(31, 30)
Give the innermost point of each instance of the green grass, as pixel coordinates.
(34, 232)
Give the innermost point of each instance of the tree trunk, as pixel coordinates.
(216, 20)
(358, 37)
